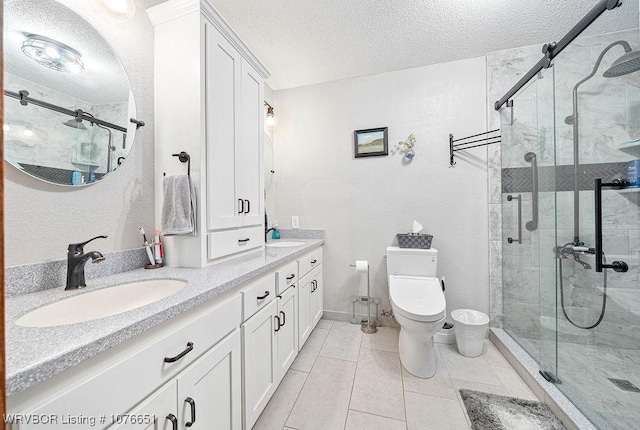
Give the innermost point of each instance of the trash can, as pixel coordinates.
(471, 329)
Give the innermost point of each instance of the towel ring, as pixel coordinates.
(184, 158)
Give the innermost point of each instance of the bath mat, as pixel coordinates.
(492, 412)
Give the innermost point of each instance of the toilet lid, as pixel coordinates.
(417, 298)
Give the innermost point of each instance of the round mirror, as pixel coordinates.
(69, 112)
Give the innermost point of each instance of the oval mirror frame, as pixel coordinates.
(69, 120)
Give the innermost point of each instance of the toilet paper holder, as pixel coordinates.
(367, 326)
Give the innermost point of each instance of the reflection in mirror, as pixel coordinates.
(269, 168)
(69, 107)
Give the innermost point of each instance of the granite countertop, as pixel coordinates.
(35, 354)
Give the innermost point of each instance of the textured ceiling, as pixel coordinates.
(102, 81)
(307, 42)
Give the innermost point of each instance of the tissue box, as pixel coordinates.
(414, 240)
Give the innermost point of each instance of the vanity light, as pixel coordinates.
(119, 10)
(270, 120)
(52, 54)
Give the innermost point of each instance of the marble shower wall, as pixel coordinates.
(523, 275)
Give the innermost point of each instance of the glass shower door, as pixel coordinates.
(598, 311)
(528, 220)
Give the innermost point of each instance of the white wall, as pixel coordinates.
(362, 203)
(42, 219)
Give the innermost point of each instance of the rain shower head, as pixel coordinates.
(75, 124)
(628, 63)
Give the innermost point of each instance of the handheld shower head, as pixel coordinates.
(628, 63)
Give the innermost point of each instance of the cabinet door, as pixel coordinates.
(222, 86)
(304, 310)
(317, 298)
(161, 405)
(260, 354)
(209, 390)
(251, 152)
(287, 333)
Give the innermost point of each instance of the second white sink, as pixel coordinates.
(101, 303)
(285, 244)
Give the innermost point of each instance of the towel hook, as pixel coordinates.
(184, 158)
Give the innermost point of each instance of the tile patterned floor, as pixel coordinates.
(346, 380)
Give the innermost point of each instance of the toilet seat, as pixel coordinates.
(417, 298)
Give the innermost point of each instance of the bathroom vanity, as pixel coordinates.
(211, 355)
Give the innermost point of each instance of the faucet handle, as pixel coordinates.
(75, 248)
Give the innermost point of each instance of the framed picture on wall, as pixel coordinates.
(370, 142)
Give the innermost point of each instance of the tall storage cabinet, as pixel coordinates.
(209, 91)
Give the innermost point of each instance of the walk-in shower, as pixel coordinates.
(570, 289)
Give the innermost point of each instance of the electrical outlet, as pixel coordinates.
(295, 221)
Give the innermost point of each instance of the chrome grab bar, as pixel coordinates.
(530, 157)
(519, 239)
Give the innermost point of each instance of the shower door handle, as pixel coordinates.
(618, 266)
(530, 157)
(519, 239)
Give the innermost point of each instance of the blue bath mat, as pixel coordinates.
(492, 412)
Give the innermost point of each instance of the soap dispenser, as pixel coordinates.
(276, 232)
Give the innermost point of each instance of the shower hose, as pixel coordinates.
(604, 298)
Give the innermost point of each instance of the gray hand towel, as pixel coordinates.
(179, 206)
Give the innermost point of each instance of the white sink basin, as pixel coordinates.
(101, 303)
(285, 244)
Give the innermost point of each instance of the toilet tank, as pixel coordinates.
(412, 261)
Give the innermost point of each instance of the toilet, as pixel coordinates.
(418, 305)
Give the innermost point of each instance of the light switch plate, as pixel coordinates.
(295, 221)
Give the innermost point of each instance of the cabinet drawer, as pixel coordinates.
(223, 243)
(136, 375)
(286, 276)
(309, 261)
(257, 295)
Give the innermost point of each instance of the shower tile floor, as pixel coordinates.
(344, 379)
(584, 371)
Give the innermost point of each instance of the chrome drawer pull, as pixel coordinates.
(179, 356)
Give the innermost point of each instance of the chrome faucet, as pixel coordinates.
(76, 259)
(576, 251)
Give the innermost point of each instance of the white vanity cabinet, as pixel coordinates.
(310, 294)
(206, 395)
(209, 95)
(260, 378)
(269, 340)
(194, 355)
